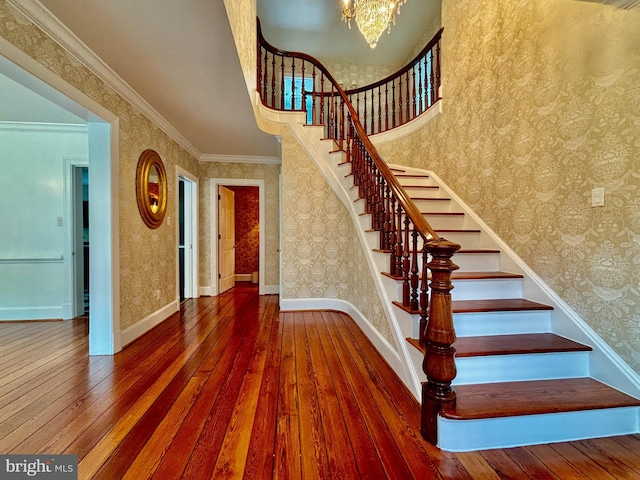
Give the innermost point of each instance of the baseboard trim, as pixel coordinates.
(129, 334)
(207, 291)
(10, 314)
(381, 344)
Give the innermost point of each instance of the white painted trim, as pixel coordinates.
(381, 343)
(408, 128)
(9, 314)
(103, 129)
(195, 202)
(54, 28)
(129, 334)
(69, 163)
(239, 159)
(207, 291)
(247, 182)
(42, 127)
(506, 432)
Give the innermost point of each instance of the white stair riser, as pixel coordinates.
(487, 288)
(521, 367)
(467, 240)
(446, 221)
(477, 262)
(459, 436)
(434, 205)
(501, 323)
(382, 261)
(416, 191)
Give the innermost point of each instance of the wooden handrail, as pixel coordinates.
(393, 212)
(432, 43)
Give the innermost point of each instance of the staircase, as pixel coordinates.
(518, 382)
(529, 370)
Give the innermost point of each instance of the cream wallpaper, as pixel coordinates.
(321, 254)
(542, 104)
(145, 255)
(353, 75)
(270, 174)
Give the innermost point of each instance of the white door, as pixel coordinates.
(226, 239)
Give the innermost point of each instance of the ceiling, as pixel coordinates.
(181, 59)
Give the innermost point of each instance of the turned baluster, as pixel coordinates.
(393, 235)
(406, 264)
(414, 270)
(387, 215)
(393, 104)
(424, 296)
(439, 363)
(397, 271)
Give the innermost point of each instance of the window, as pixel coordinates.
(296, 93)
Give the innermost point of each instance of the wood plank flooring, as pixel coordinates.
(232, 388)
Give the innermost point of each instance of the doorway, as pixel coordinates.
(104, 320)
(187, 235)
(216, 243)
(79, 237)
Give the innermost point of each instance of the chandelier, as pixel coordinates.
(372, 16)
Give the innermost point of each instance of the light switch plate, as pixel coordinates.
(597, 197)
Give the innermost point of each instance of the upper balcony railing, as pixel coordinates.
(295, 81)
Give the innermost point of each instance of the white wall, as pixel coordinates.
(32, 217)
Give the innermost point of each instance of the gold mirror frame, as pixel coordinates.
(152, 205)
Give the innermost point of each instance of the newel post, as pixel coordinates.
(439, 363)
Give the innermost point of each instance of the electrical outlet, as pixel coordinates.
(157, 294)
(597, 197)
(60, 221)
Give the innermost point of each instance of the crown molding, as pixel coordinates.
(239, 159)
(42, 17)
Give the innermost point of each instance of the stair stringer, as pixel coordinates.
(398, 355)
(605, 365)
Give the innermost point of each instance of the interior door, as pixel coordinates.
(226, 239)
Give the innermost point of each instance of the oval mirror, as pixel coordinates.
(151, 188)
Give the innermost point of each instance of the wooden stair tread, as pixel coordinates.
(457, 275)
(463, 251)
(520, 344)
(421, 186)
(409, 175)
(497, 305)
(493, 400)
(457, 230)
(516, 344)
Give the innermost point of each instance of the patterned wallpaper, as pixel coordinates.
(542, 104)
(247, 222)
(353, 75)
(145, 255)
(321, 254)
(271, 176)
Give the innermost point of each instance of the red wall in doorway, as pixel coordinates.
(247, 228)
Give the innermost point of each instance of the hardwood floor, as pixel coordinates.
(231, 388)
